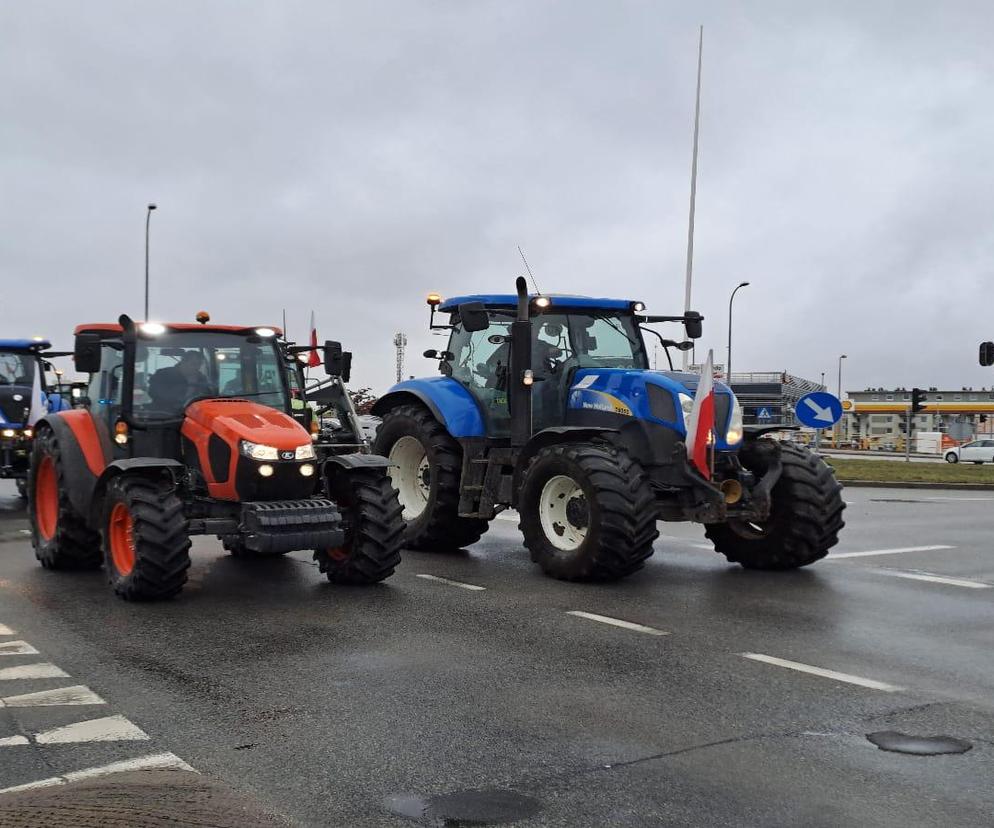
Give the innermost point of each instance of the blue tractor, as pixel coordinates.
(547, 404)
(25, 397)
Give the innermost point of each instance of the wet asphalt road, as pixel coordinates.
(324, 702)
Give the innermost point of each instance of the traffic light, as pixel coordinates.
(986, 353)
(917, 400)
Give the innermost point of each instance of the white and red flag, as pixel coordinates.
(700, 426)
(313, 359)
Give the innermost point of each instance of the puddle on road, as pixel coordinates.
(897, 742)
(452, 810)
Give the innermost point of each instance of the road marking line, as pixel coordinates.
(514, 517)
(57, 696)
(450, 582)
(820, 671)
(5, 630)
(106, 729)
(17, 648)
(839, 555)
(616, 622)
(936, 579)
(10, 741)
(32, 671)
(156, 761)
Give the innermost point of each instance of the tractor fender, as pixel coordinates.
(553, 436)
(450, 403)
(145, 466)
(338, 464)
(82, 453)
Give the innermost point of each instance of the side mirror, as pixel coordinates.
(333, 358)
(431, 353)
(346, 374)
(474, 316)
(986, 353)
(86, 353)
(692, 322)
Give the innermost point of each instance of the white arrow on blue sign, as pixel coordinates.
(819, 409)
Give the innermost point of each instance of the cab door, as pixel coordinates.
(480, 363)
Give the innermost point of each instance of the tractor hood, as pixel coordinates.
(646, 395)
(15, 401)
(234, 419)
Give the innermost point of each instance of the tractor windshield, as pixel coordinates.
(176, 367)
(17, 368)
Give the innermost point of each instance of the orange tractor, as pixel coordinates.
(199, 429)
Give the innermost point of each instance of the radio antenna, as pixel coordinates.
(530, 274)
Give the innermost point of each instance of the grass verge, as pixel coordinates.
(886, 471)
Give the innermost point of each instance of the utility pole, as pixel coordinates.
(836, 429)
(148, 218)
(400, 343)
(693, 185)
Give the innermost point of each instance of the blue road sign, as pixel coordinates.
(819, 409)
(764, 414)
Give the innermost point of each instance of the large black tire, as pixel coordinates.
(616, 506)
(59, 534)
(374, 528)
(144, 526)
(804, 523)
(438, 528)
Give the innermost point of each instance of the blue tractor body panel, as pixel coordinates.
(449, 401)
(509, 300)
(625, 391)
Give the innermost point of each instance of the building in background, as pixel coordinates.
(770, 398)
(878, 415)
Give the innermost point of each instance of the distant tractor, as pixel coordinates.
(25, 396)
(546, 404)
(199, 429)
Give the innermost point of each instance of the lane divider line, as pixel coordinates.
(617, 622)
(40, 670)
(11, 741)
(58, 696)
(17, 648)
(897, 551)
(155, 761)
(450, 582)
(935, 579)
(5, 630)
(106, 729)
(872, 684)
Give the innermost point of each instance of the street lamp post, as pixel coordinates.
(148, 218)
(728, 363)
(836, 430)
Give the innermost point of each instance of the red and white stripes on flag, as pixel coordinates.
(700, 426)
(314, 358)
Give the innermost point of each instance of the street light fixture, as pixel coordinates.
(728, 362)
(148, 218)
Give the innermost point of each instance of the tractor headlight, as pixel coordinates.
(307, 470)
(686, 405)
(734, 433)
(305, 452)
(257, 451)
(7, 432)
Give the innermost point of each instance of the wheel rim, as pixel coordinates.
(410, 474)
(46, 498)
(564, 513)
(122, 539)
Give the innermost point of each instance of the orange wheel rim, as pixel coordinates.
(122, 539)
(46, 498)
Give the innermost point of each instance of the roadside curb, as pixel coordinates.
(880, 484)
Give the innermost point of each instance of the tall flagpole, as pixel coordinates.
(693, 186)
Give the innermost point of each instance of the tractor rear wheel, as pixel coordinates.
(587, 512)
(146, 545)
(59, 534)
(374, 528)
(804, 522)
(426, 470)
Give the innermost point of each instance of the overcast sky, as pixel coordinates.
(351, 157)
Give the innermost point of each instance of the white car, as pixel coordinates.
(978, 451)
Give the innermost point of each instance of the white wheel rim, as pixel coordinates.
(557, 517)
(409, 472)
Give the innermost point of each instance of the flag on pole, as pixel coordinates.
(38, 408)
(314, 359)
(700, 426)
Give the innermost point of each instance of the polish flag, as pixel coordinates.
(700, 426)
(314, 360)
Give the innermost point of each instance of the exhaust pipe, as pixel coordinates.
(732, 490)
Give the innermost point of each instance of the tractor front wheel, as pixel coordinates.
(587, 512)
(426, 469)
(804, 522)
(60, 536)
(374, 528)
(146, 545)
